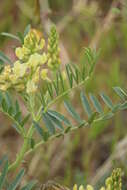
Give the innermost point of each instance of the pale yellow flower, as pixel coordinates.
(50, 63)
(36, 60)
(35, 77)
(5, 75)
(19, 87)
(42, 43)
(25, 50)
(44, 76)
(19, 69)
(34, 40)
(102, 188)
(89, 187)
(19, 53)
(5, 86)
(81, 187)
(31, 87)
(75, 187)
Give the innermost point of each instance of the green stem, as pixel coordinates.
(84, 124)
(24, 148)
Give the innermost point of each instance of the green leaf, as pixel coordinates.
(17, 108)
(26, 118)
(21, 37)
(3, 175)
(4, 158)
(107, 116)
(11, 111)
(123, 106)
(17, 116)
(17, 180)
(8, 99)
(88, 54)
(67, 129)
(29, 186)
(42, 98)
(27, 29)
(72, 74)
(92, 117)
(10, 35)
(48, 123)
(61, 79)
(83, 74)
(120, 92)
(46, 135)
(86, 105)
(56, 122)
(56, 87)
(38, 128)
(107, 100)
(72, 111)
(50, 89)
(77, 73)
(69, 75)
(4, 58)
(116, 107)
(4, 105)
(60, 117)
(32, 143)
(96, 103)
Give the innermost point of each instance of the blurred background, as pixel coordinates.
(87, 155)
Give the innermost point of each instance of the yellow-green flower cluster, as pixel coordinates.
(25, 73)
(114, 182)
(53, 49)
(32, 64)
(33, 42)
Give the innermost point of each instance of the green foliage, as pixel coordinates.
(15, 183)
(13, 111)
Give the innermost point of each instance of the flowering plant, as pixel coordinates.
(37, 78)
